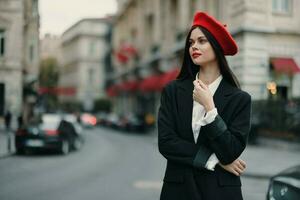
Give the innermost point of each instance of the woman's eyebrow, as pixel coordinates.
(202, 36)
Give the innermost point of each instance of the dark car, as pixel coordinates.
(285, 185)
(52, 132)
(131, 123)
(136, 124)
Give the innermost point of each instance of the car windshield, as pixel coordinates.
(50, 123)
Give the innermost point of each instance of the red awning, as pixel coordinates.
(168, 76)
(63, 91)
(157, 82)
(129, 86)
(112, 90)
(129, 49)
(285, 65)
(122, 57)
(151, 83)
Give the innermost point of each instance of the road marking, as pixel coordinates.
(148, 185)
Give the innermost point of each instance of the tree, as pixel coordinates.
(48, 78)
(103, 105)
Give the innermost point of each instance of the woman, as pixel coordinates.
(204, 119)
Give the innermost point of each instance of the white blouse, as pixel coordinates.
(201, 118)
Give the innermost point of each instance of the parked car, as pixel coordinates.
(88, 120)
(133, 123)
(101, 118)
(137, 124)
(285, 185)
(113, 121)
(52, 132)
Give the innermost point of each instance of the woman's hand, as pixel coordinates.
(202, 95)
(237, 167)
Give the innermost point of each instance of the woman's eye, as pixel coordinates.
(191, 43)
(202, 41)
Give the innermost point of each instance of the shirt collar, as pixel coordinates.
(214, 85)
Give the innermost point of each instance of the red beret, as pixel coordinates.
(218, 30)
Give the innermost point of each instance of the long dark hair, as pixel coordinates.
(189, 69)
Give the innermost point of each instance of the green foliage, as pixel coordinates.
(71, 107)
(49, 73)
(278, 117)
(48, 78)
(102, 105)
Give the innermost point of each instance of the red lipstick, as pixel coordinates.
(196, 55)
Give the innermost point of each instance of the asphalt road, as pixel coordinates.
(111, 165)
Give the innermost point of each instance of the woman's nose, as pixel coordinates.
(194, 47)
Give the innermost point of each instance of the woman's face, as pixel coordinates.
(200, 50)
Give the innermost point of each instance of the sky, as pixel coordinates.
(58, 15)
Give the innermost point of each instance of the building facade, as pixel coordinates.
(267, 33)
(50, 47)
(84, 50)
(19, 50)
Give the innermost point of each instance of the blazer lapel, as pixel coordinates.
(221, 98)
(185, 105)
(221, 95)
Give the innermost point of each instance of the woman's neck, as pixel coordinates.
(209, 73)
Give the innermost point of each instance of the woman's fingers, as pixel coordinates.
(202, 84)
(196, 83)
(243, 163)
(198, 89)
(199, 84)
(235, 172)
(240, 166)
(238, 169)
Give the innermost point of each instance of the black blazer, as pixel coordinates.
(226, 136)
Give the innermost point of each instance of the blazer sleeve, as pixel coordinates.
(170, 144)
(228, 141)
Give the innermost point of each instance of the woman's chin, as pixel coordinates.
(196, 62)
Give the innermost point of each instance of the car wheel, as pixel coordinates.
(65, 147)
(77, 143)
(20, 151)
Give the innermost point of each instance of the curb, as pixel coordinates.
(3, 156)
(279, 143)
(4, 139)
(256, 175)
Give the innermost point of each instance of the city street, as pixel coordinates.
(131, 65)
(111, 165)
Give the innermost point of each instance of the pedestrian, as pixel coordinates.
(20, 120)
(204, 119)
(7, 119)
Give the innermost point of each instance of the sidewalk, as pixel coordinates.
(4, 144)
(4, 138)
(270, 157)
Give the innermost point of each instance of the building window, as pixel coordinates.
(91, 75)
(92, 48)
(163, 19)
(192, 8)
(2, 43)
(133, 34)
(149, 29)
(35, 8)
(174, 15)
(31, 52)
(281, 6)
